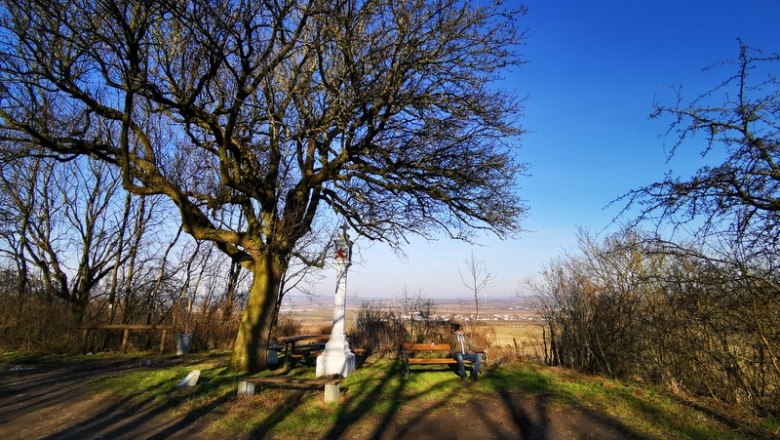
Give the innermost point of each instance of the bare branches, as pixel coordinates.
(634, 306)
(279, 113)
(383, 110)
(740, 118)
(476, 277)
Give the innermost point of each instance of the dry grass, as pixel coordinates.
(525, 338)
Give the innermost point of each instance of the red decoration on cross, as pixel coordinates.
(340, 253)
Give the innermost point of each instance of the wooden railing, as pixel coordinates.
(126, 328)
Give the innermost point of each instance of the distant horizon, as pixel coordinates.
(354, 299)
(593, 74)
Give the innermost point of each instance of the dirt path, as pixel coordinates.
(55, 401)
(509, 416)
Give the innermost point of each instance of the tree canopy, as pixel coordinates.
(382, 111)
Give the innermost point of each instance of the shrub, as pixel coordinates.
(32, 324)
(377, 332)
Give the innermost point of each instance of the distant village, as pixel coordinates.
(465, 317)
(460, 310)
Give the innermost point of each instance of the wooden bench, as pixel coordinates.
(308, 353)
(428, 354)
(248, 385)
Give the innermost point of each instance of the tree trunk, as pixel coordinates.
(249, 353)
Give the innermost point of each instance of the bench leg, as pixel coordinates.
(246, 388)
(331, 392)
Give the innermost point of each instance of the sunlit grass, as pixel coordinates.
(379, 392)
(155, 382)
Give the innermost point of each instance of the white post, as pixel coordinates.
(338, 359)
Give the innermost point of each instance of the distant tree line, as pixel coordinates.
(698, 311)
(77, 250)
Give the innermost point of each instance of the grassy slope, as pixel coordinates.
(377, 392)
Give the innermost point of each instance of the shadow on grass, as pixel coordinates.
(286, 408)
(532, 402)
(362, 395)
(41, 389)
(506, 404)
(379, 402)
(665, 416)
(147, 414)
(367, 393)
(434, 403)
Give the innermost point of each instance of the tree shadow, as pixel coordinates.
(522, 419)
(383, 404)
(42, 389)
(371, 391)
(287, 407)
(137, 417)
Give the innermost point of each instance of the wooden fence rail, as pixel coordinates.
(126, 328)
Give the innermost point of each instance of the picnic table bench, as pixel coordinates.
(300, 347)
(427, 354)
(293, 351)
(248, 385)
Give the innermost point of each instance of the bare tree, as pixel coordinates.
(420, 310)
(382, 111)
(476, 277)
(739, 119)
(65, 228)
(733, 205)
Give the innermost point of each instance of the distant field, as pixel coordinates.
(523, 335)
(525, 338)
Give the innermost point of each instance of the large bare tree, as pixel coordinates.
(381, 110)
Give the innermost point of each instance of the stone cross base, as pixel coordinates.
(331, 392)
(335, 363)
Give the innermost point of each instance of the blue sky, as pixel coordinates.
(592, 74)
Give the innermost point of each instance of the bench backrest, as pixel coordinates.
(426, 347)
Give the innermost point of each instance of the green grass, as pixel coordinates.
(378, 393)
(641, 409)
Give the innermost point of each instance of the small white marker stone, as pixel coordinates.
(190, 380)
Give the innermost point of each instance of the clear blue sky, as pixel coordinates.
(593, 71)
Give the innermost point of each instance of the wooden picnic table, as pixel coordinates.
(290, 342)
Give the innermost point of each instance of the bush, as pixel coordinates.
(377, 332)
(31, 324)
(285, 326)
(666, 314)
